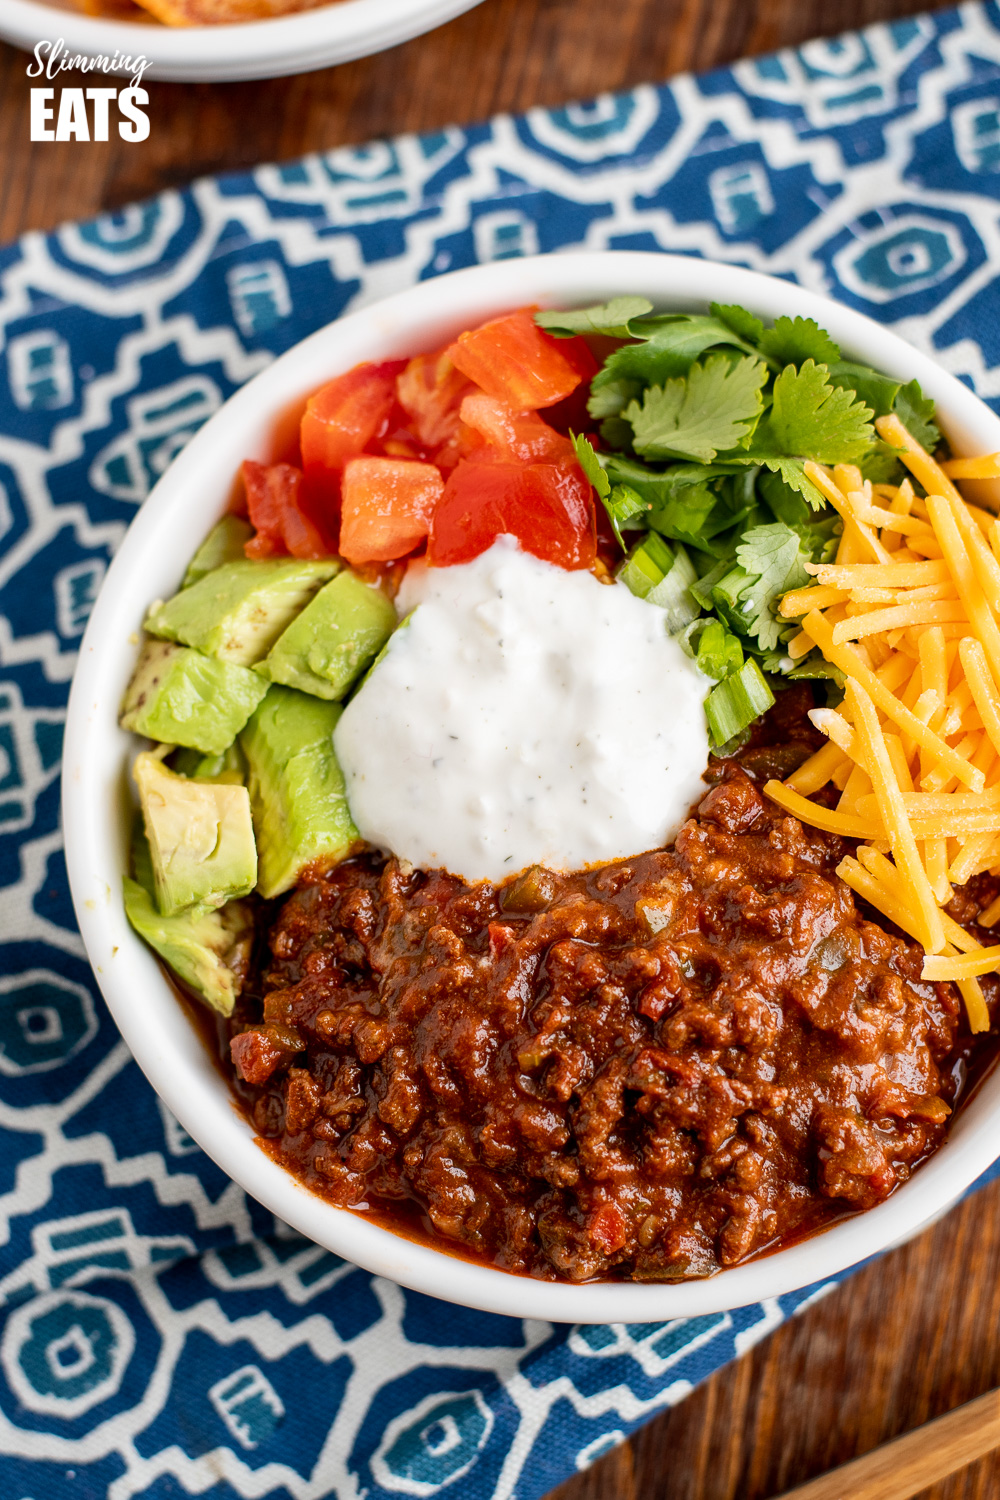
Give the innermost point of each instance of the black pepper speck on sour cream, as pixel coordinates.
(524, 715)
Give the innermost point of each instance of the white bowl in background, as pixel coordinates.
(150, 563)
(333, 33)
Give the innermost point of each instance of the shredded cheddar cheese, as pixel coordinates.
(910, 613)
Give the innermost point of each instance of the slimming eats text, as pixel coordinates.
(85, 114)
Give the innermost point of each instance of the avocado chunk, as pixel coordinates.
(327, 647)
(200, 837)
(224, 543)
(207, 950)
(230, 766)
(300, 809)
(238, 611)
(180, 697)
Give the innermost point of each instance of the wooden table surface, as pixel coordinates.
(917, 1333)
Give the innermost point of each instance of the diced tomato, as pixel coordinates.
(303, 537)
(571, 415)
(580, 356)
(386, 507)
(430, 390)
(402, 445)
(546, 506)
(344, 415)
(512, 359)
(464, 442)
(607, 1228)
(514, 434)
(260, 1050)
(501, 939)
(275, 505)
(263, 491)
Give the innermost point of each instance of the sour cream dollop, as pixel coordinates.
(523, 715)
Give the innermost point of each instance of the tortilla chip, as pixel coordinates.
(113, 10)
(223, 12)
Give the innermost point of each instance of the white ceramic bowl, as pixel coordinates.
(150, 563)
(333, 33)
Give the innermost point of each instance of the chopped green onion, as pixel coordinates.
(673, 593)
(702, 588)
(726, 593)
(726, 599)
(647, 564)
(737, 701)
(716, 651)
(734, 746)
(661, 575)
(623, 504)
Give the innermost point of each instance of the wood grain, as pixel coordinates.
(917, 1333)
(900, 1469)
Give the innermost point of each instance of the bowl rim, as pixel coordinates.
(169, 1051)
(335, 32)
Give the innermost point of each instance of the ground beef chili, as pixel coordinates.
(653, 1069)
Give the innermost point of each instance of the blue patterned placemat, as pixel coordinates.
(161, 1335)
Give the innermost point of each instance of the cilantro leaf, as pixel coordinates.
(792, 341)
(772, 555)
(621, 502)
(792, 472)
(810, 418)
(616, 433)
(811, 666)
(623, 469)
(916, 412)
(688, 334)
(694, 515)
(713, 407)
(591, 464)
(670, 345)
(814, 666)
(611, 318)
(760, 454)
(691, 503)
(821, 538)
(881, 464)
(742, 323)
(610, 398)
(623, 505)
(779, 664)
(784, 501)
(661, 485)
(875, 390)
